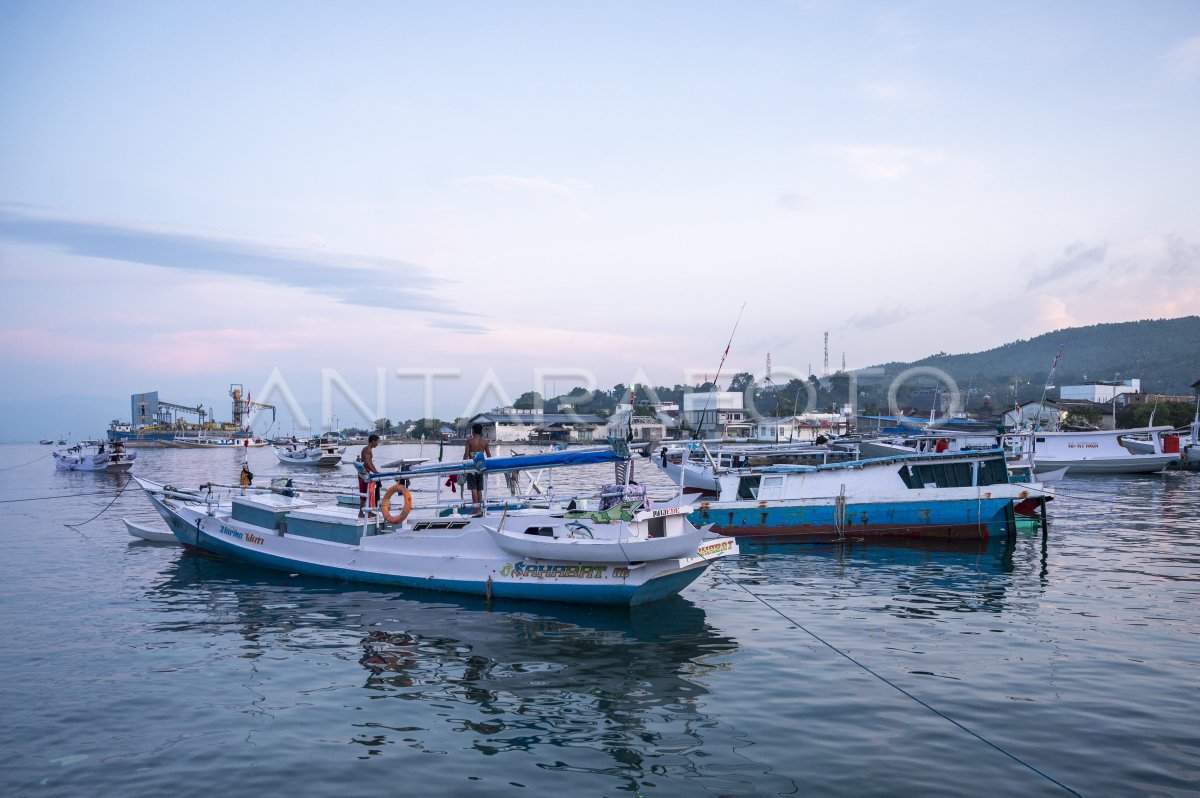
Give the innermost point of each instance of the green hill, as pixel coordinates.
(1163, 353)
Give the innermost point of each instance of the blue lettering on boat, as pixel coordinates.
(233, 533)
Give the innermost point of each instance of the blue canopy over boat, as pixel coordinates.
(488, 465)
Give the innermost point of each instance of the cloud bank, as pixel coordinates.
(355, 280)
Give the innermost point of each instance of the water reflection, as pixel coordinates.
(907, 579)
(613, 692)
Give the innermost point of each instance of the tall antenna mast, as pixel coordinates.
(769, 384)
(825, 373)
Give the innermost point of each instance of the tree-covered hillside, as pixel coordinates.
(1163, 353)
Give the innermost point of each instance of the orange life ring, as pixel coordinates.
(387, 497)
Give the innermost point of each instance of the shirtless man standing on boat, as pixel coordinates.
(367, 489)
(476, 443)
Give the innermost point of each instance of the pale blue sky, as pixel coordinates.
(193, 194)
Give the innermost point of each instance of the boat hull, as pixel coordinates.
(967, 518)
(695, 479)
(511, 580)
(1130, 464)
(243, 443)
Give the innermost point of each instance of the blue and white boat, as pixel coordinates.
(948, 495)
(626, 554)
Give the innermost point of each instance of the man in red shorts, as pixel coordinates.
(368, 490)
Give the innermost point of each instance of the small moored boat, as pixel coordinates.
(202, 442)
(94, 458)
(311, 453)
(1143, 450)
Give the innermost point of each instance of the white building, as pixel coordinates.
(719, 414)
(1045, 415)
(523, 426)
(804, 427)
(1099, 392)
(643, 428)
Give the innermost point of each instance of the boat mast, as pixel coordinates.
(716, 379)
(1046, 387)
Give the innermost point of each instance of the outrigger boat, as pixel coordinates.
(947, 495)
(311, 453)
(622, 553)
(93, 458)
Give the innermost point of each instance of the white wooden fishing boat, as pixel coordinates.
(1124, 451)
(94, 458)
(152, 533)
(626, 555)
(310, 453)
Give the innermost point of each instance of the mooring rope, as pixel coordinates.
(1085, 496)
(22, 465)
(60, 496)
(892, 684)
(110, 504)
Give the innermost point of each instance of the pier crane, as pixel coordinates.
(243, 409)
(165, 419)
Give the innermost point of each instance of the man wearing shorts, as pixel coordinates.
(476, 443)
(368, 489)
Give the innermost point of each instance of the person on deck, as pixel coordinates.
(368, 490)
(476, 443)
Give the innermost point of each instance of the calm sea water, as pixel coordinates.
(130, 668)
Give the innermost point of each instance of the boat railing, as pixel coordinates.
(894, 458)
(214, 494)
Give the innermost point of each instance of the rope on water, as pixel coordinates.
(110, 504)
(22, 465)
(893, 685)
(60, 496)
(1085, 496)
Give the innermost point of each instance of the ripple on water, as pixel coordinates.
(135, 669)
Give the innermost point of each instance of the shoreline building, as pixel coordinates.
(1099, 391)
(717, 414)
